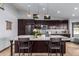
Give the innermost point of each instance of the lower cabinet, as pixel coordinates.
(40, 47)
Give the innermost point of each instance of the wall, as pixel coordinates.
(9, 14)
(23, 15)
(70, 24)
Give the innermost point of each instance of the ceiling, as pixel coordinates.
(56, 10)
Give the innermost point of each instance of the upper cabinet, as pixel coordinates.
(26, 26)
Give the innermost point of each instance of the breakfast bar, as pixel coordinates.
(40, 44)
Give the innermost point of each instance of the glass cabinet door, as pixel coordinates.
(29, 29)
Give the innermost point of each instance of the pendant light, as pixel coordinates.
(38, 12)
(47, 12)
(44, 11)
(47, 15)
(36, 15)
(29, 14)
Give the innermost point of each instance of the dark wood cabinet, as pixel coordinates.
(41, 47)
(21, 27)
(26, 26)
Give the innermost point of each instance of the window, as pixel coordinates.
(75, 29)
(8, 25)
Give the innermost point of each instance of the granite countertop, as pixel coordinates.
(43, 37)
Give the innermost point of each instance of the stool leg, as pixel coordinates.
(19, 52)
(61, 53)
(56, 52)
(31, 52)
(48, 51)
(24, 52)
(28, 52)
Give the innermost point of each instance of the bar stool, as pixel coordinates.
(24, 45)
(54, 44)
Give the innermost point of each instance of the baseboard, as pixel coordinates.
(4, 49)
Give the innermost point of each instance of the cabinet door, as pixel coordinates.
(21, 27)
(29, 29)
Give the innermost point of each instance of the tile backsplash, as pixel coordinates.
(54, 31)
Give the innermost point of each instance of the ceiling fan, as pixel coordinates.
(1, 4)
(1, 8)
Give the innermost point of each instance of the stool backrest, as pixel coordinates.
(55, 42)
(23, 42)
(55, 39)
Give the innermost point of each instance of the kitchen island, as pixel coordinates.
(40, 44)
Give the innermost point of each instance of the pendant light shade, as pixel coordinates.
(38, 15)
(47, 15)
(29, 15)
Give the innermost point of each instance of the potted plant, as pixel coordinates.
(36, 33)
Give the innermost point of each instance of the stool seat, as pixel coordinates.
(24, 44)
(54, 44)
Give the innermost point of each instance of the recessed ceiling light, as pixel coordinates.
(29, 5)
(43, 8)
(58, 11)
(75, 8)
(73, 14)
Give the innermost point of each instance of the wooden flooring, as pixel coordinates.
(72, 49)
